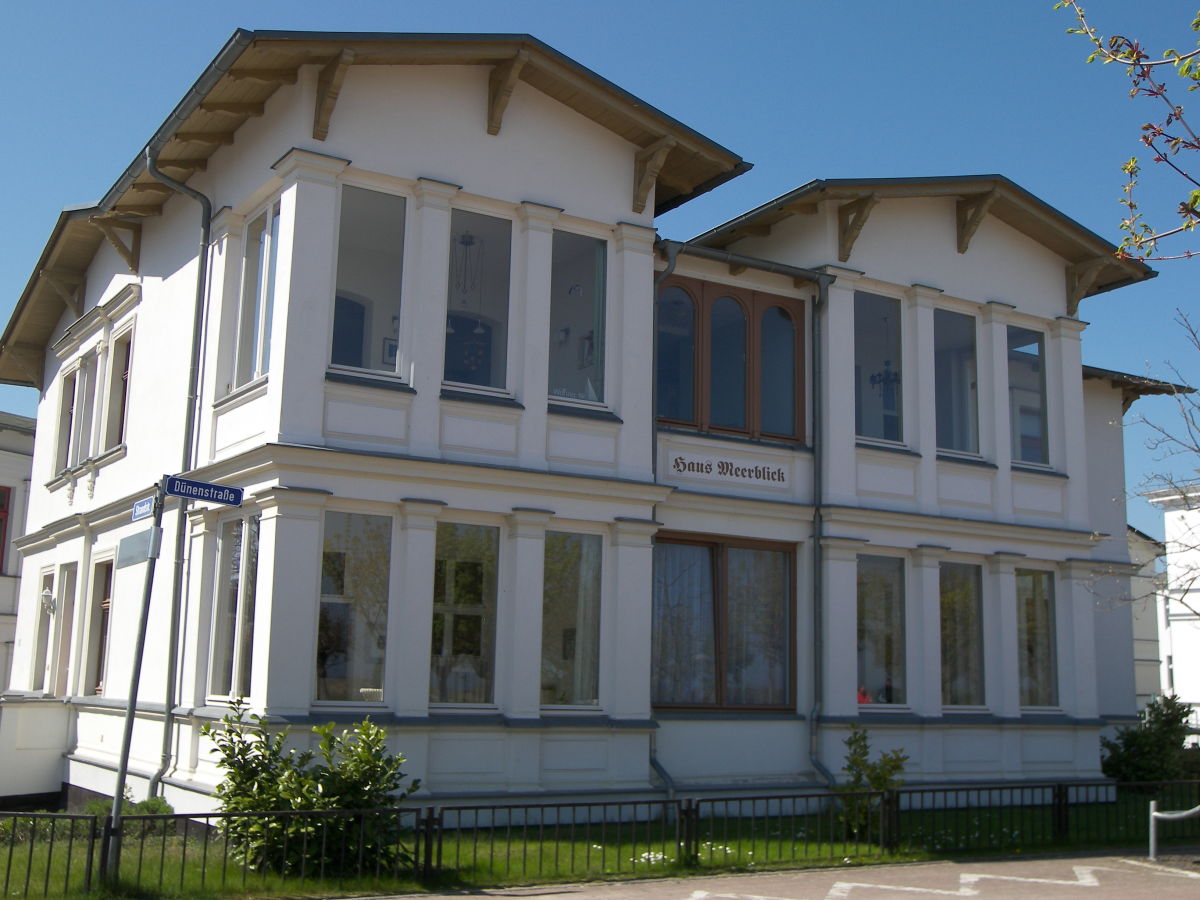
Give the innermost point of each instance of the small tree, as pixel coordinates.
(1152, 750)
(864, 775)
(354, 772)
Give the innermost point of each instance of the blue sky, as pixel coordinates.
(802, 89)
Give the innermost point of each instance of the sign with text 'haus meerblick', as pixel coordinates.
(203, 490)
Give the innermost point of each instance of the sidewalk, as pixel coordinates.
(1176, 876)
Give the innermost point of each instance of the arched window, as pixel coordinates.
(777, 372)
(727, 366)
(676, 378)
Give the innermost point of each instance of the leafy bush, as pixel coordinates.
(1153, 749)
(864, 775)
(353, 772)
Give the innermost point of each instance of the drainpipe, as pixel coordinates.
(188, 455)
(818, 576)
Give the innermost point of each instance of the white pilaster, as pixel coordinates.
(529, 329)
(837, 405)
(625, 661)
(1074, 621)
(409, 630)
(920, 394)
(519, 650)
(923, 644)
(995, 431)
(1065, 415)
(839, 621)
(629, 351)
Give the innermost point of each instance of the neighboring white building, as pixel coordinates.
(556, 534)
(1148, 607)
(16, 456)
(1180, 633)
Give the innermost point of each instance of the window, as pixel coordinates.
(477, 301)
(881, 673)
(463, 661)
(75, 415)
(577, 275)
(877, 355)
(729, 360)
(352, 627)
(722, 623)
(5, 502)
(962, 635)
(233, 612)
(1027, 395)
(66, 420)
(955, 379)
(45, 621)
(97, 651)
(366, 307)
(1036, 638)
(260, 255)
(571, 620)
(118, 390)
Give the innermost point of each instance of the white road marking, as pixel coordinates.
(1160, 869)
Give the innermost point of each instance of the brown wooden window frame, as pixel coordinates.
(755, 304)
(720, 611)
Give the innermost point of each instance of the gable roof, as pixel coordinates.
(1093, 264)
(681, 163)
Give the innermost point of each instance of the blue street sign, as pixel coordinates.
(143, 508)
(203, 490)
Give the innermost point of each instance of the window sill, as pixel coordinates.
(778, 443)
(901, 449)
(1029, 469)
(467, 396)
(88, 466)
(679, 715)
(379, 382)
(597, 414)
(243, 393)
(979, 461)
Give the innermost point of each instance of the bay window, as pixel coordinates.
(962, 635)
(463, 659)
(577, 287)
(477, 300)
(352, 625)
(1036, 640)
(366, 305)
(231, 658)
(723, 616)
(954, 369)
(881, 666)
(878, 411)
(252, 356)
(571, 620)
(1027, 395)
(729, 360)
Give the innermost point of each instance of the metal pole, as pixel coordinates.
(1153, 830)
(113, 856)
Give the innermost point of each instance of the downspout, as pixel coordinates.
(188, 455)
(671, 251)
(818, 499)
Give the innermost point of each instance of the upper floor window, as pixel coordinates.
(118, 390)
(722, 616)
(577, 276)
(477, 299)
(729, 360)
(954, 366)
(5, 501)
(75, 414)
(259, 258)
(877, 388)
(370, 256)
(1027, 395)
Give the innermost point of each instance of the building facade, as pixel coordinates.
(568, 508)
(1179, 635)
(16, 456)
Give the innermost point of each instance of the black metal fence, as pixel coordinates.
(384, 851)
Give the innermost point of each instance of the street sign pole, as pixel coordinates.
(112, 856)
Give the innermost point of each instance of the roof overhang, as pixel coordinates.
(1093, 264)
(675, 161)
(1134, 386)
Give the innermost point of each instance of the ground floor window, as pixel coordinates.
(1036, 640)
(233, 610)
(962, 635)
(463, 659)
(352, 627)
(722, 624)
(102, 587)
(571, 620)
(881, 673)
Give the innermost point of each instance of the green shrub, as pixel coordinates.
(350, 770)
(865, 775)
(1153, 749)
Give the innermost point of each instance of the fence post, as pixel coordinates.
(93, 833)
(427, 826)
(688, 851)
(1061, 813)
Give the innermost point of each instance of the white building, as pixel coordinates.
(1148, 609)
(16, 455)
(1180, 632)
(557, 535)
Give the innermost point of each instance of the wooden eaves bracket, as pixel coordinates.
(30, 359)
(66, 285)
(969, 214)
(1081, 278)
(131, 252)
(852, 217)
(329, 85)
(501, 83)
(647, 164)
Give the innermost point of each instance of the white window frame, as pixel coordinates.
(247, 578)
(256, 298)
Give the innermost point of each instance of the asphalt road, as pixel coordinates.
(1081, 878)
